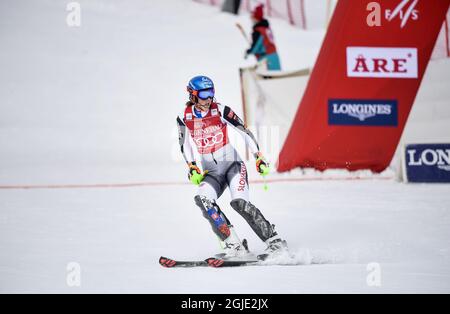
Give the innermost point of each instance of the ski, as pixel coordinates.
(217, 262)
(170, 263)
(209, 262)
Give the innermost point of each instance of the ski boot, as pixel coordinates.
(234, 249)
(275, 247)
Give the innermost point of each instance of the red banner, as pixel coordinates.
(363, 85)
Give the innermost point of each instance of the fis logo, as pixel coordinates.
(362, 112)
(378, 62)
(427, 162)
(404, 11)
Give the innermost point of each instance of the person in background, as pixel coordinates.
(205, 122)
(263, 44)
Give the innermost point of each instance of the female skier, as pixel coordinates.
(206, 122)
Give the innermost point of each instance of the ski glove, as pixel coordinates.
(195, 175)
(262, 166)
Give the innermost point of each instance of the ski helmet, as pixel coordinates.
(201, 87)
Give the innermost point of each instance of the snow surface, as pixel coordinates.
(96, 105)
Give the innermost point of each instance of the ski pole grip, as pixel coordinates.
(197, 178)
(265, 170)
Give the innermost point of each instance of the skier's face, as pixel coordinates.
(203, 104)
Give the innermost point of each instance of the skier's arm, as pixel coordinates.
(195, 175)
(257, 44)
(185, 145)
(233, 119)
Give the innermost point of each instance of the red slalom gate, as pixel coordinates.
(363, 85)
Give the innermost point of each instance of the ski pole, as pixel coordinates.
(239, 26)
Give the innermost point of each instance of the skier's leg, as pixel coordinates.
(206, 199)
(261, 226)
(239, 188)
(221, 226)
(208, 189)
(237, 180)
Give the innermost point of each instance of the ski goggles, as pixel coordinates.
(203, 94)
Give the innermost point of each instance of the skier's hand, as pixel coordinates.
(262, 166)
(195, 175)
